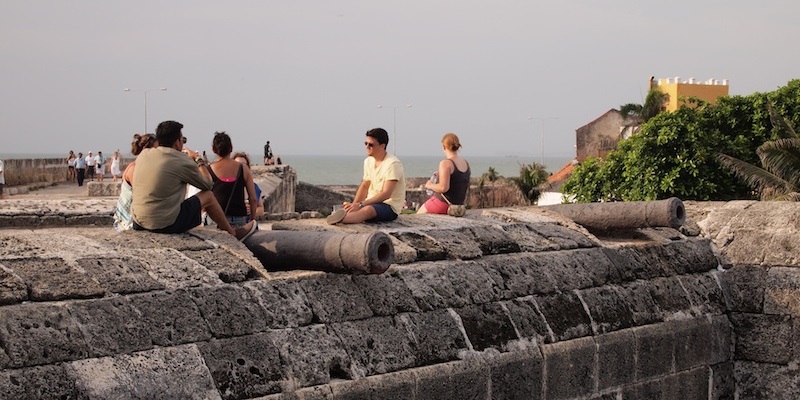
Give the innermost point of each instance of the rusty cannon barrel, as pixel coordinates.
(363, 253)
(625, 214)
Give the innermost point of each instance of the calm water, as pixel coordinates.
(346, 170)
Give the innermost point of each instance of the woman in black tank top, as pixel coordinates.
(453, 179)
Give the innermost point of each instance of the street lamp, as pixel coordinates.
(541, 156)
(394, 125)
(145, 100)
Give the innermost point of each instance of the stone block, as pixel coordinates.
(565, 315)
(694, 339)
(616, 363)
(103, 189)
(562, 236)
(723, 382)
(518, 275)
(721, 340)
(458, 243)
(229, 310)
(455, 380)
(746, 246)
(391, 386)
(312, 355)
(705, 293)
(609, 311)
(655, 349)
(528, 320)
(672, 300)
(517, 375)
(227, 266)
(448, 284)
(335, 298)
(576, 269)
(766, 381)
(783, 248)
(438, 336)
(163, 373)
(376, 345)
(35, 333)
(243, 367)
(45, 382)
(621, 269)
(643, 261)
(50, 279)
(97, 220)
(527, 239)
(782, 292)
(171, 317)
(111, 326)
(174, 270)
(386, 294)
(690, 384)
(487, 326)
(283, 302)
(309, 393)
(12, 288)
(744, 286)
(645, 390)
(494, 240)
(569, 368)
(762, 338)
(119, 275)
(427, 248)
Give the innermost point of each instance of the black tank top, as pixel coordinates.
(230, 190)
(459, 183)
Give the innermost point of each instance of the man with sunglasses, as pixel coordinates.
(382, 191)
(160, 180)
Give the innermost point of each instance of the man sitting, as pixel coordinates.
(160, 180)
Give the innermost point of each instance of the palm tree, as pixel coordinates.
(779, 179)
(653, 104)
(530, 181)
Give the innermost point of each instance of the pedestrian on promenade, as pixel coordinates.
(382, 191)
(71, 166)
(268, 154)
(2, 178)
(115, 162)
(231, 181)
(452, 180)
(90, 164)
(80, 168)
(100, 163)
(159, 180)
(122, 212)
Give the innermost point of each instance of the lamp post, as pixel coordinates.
(394, 125)
(541, 144)
(145, 100)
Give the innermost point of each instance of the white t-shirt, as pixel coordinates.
(390, 169)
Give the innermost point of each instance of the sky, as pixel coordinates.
(510, 77)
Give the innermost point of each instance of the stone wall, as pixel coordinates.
(20, 172)
(278, 184)
(507, 303)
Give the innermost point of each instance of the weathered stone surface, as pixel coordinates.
(743, 286)
(564, 237)
(783, 248)
(691, 384)
(721, 340)
(455, 380)
(647, 390)
(616, 363)
(577, 269)
(487, 326)
(284, 303)
(45, 382)
(335, 298)
(782, 293)
(608, 309)
(243, 367)
(762, 338)
(565, 315)
(51, 279)
(312, 355)
(171, 317)
(530, 323)
(723, 381)
(163, 373)
(119, 275)
(229, 310)
(438, 337)
(448, 284)
(694, 343)
(458, 243)
(98, 220)
(391, 386)
(570, 368)
(12, 288)
(376, 345)
(174, 270)
(528, 239)
(518, 275)
(494, 240)
(386, 294)
(427, 248)
(111, 326)
(766, 381)
(34, 334)
(642, 262)
(228, 267)
(517, 375)
(654, 351)
(704, 292)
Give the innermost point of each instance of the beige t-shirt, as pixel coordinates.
(390, 169)
(159, 186)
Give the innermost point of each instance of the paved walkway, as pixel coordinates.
(60, 190)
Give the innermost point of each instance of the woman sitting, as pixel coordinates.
(231, 180)
(245, 159)
(453, 179)
(122, 213)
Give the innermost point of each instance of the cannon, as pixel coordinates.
(363, 253)
(625, 214)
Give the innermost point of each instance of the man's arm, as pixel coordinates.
(361, 195)
(385, 193)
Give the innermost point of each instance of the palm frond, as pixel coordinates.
(781, 127)
(755, 177)
(782, 157)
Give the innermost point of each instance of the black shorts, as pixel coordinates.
(188, 218)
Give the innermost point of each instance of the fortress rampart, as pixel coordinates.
(507, 303)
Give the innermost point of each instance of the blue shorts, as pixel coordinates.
(384, 211)
(188, 218)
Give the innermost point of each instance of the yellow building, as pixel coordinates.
(678, 90)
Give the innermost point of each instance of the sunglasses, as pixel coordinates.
(183, 139)
(370, 145)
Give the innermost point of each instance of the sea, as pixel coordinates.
(347, 169)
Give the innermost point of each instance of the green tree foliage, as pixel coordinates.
(652, 105)
(530, 180)
(675, 153)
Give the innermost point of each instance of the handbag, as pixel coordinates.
(455, 210)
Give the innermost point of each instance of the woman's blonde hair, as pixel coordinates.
(451, 142)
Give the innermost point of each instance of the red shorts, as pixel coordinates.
(435, 205)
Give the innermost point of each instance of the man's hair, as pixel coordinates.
(379, 134)
(168, 132)
(221, 145)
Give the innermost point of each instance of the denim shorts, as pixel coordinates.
(384, 211)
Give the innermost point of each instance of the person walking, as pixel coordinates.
(382, 192)
(100, 166)
(90, 164)
(71, 166)
(2, 178)
(115, 162)
(453, 179)
(80, 168)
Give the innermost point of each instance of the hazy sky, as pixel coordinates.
(309, 75)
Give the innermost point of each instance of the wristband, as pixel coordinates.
(198, 160)
(360, 204)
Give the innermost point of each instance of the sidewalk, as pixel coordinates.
(60, 190)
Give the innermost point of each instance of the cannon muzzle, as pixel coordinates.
(625, 214)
